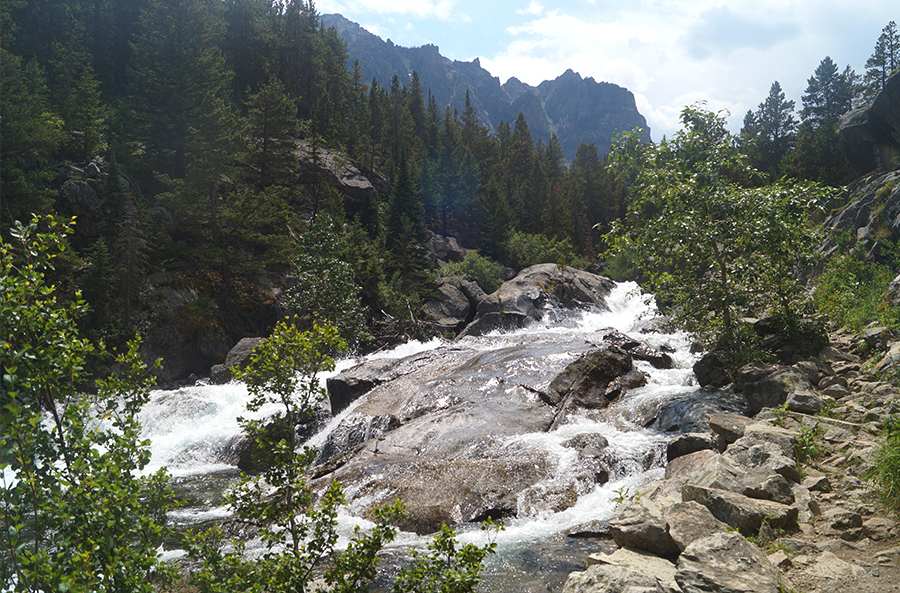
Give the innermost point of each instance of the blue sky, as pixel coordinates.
(669, 53)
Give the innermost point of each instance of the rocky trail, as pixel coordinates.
(736, 512)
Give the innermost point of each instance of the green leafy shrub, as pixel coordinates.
(483, 270)
(884, 476)
(74, 512)
(809, 444)
(300, 537)
(447, 567)
(851, 291)
(524, 249)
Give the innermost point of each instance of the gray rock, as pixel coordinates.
(873, 336)
(660, 569)
(811, 369)
(728, 428)
(609, 579)
(767, 456)
(473, 292)
(452, 310)
(724, 474)
(690, 413)
(445, 248)
(586, 380)
(690, 521)
(726, 563)
(768, 385)
(804, 402)
(688, 443)
(712, 371)
(349, 385)
(870, 135)
(682, 469)
(641, 524)
(741, 512)
(238, 356)
(359, 190)
(639, 350)
(502, 321)
(548, 283)
(836, 391)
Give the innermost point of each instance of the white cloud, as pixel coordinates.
(534, 8)
(669, 53)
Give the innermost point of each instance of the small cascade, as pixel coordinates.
(194, 430)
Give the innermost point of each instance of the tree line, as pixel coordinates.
(197, 106)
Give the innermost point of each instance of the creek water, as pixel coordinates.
(193, 432)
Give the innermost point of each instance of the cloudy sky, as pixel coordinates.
(669, 53)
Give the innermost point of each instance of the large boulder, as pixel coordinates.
(445, 248)
(741, 512)
(871, 135)
(359, 189)
(587, 380)
(641, 524)
(768, 385)
(544, 284)
(610, 578)
(437, 429)
(639, 350)
(712, 371)
(691, 412)
(451, 311)
(238, 357)
(726, 563)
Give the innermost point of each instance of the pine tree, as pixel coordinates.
(884, 61)
(31, 134)
(248, 44)
(131, 251)
(405, 229)
(769, 133)
(272, 130)
(75, 93)
(178, 70)
(829, 93)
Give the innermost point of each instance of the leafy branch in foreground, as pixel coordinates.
(300, 536)
(76, 514)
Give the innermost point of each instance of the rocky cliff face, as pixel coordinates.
(576, 109)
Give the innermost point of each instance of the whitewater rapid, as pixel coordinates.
(192, 430)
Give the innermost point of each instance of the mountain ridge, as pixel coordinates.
(576, 109)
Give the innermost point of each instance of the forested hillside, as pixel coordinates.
(191, 138)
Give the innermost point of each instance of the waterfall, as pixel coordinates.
(193, 431)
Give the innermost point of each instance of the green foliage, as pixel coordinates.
(851, 291)
(474, 266)
(298, 536)
(31, 134)
(809, 444)
(885, 473)
(76, 516)
(885, 59)
(525, 249)
(714, 245)
(326, 289)
(447, 567)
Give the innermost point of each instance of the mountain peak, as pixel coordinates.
(576, 109)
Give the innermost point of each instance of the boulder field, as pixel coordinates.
(736, 512)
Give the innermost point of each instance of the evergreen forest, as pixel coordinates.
(196, 112)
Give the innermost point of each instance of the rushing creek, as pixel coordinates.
(193, 431)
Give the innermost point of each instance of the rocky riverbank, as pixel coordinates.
(776, 502)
